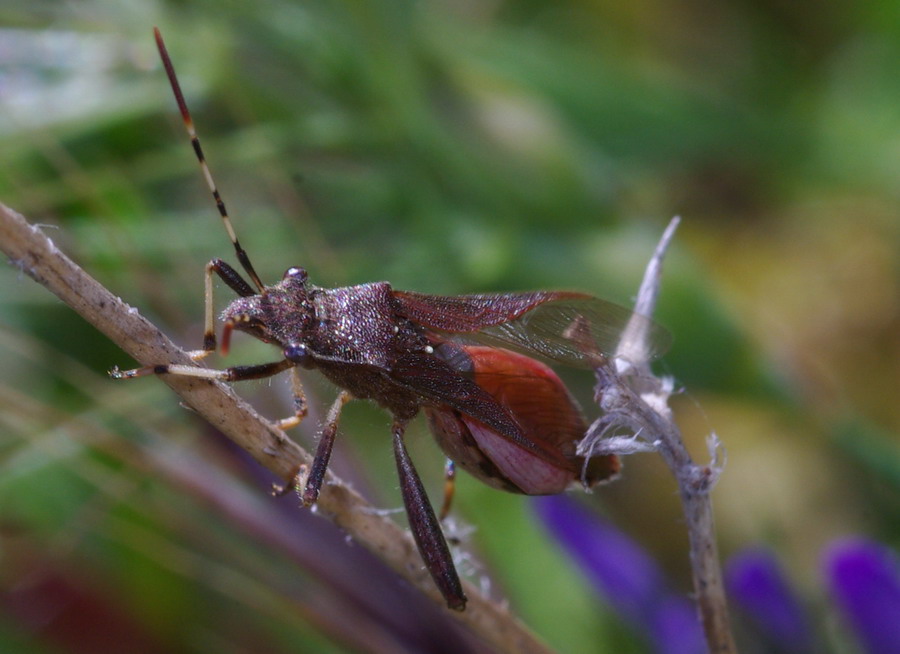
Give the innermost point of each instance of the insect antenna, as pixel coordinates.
(195, 142)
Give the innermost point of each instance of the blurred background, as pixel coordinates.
(448, 147)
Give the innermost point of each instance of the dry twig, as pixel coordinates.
(635, 403)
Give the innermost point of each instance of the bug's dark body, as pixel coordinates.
(503, 416)
(352, 335)
(368, 340)
(466, 360)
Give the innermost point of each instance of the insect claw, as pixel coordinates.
(199, 355)
(279, 490)
(293, 483)
(289, 423)
(116, 373)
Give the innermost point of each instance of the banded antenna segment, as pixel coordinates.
(195, 142)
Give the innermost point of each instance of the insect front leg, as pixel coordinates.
(235, 373)
(236, 283)
(425, 527)
(209, 328)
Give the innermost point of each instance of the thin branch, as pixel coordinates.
(32, 252)
(635, 401)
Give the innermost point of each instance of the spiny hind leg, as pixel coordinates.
(425, 527)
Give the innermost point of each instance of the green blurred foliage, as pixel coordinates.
(452, 147)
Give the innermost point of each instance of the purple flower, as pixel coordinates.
(676, 627)
(624, 574)
(757, 584)
(864, 578)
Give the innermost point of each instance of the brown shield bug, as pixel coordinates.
(466, 360)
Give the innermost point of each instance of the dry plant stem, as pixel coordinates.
(635, 399)
(29, 250)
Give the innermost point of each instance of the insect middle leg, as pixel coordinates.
(323, 451)
(300, 408)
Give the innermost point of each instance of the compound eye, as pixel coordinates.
(295, 273)
(298, 353)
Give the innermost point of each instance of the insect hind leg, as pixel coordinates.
(425, 527)
(449, 489)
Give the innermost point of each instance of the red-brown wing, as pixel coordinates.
(540, 402)
(470, 313)
(545, 412)
(443, 385)
(532, 393)
(532, 323)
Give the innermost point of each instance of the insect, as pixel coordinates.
(467, 361)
